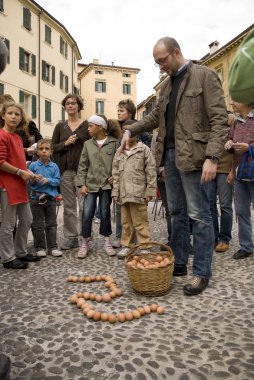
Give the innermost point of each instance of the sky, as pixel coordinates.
(124, 32)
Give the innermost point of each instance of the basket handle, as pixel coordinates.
(166, 247)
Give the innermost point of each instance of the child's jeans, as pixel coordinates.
(44, 226)
(89, 210)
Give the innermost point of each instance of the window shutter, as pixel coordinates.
(61, 45)
(47, 110)
(53, 74)
(1, 5)
(103, 86)
(66, 83)
(47, 34)
(43, 71)
(61, 80)
(1, 88)
(33, 64)
(27, 18)
(66, 50)
(34, 106)
(21, 96)
(21, 58)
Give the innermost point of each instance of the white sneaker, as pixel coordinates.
(97, 220)
(56, 253)
(109, 249)
(41, 253)
(83, 250)
(117, 243)
(123, 253)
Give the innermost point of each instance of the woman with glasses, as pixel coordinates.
(68, 139)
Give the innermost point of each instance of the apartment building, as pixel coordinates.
(42, 66)
(103, 86)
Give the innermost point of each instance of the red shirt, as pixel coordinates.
(12, 151)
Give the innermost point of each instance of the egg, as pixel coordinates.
(112, 294)
(112, 318)
(159, 258)
(147, 309)
(70, 278)
(98, 298)
(73, 299)
(80, 302)
(104, 317)
(90, 313)
(108, 284)
(92, 296)
(154, 307)
(121, 317)
(108, 278)
(86, 310)
(86, 296)
(81, 279)
(106, 297)
(79, 294)
(140, 266)
(88, 279)
(129, 265)
(118, 291)
(98, 278)
(129, 316)
(160, 310)
(97, 316)
(141, 310)
(136, 314)
(75, 279)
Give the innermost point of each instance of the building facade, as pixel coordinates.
(103, 86)
(42, 66)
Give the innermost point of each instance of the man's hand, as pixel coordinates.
(209, 171)
(84, 191)
(125, 141)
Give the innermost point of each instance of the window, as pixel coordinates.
(27, 18)
(1, 88)
(63, 47)
(7, 43)
(34, 107)
(47, 111)
(75, 90)
(48, 73)
(126, 88)
(100, 86)
(28, 102)
(48, 34)
(99, 72)
(99, 107)
(1, 5)
(126, 75)
(27, 61)
(64, 82)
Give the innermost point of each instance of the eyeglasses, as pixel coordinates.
(161, 61)
(70, 103)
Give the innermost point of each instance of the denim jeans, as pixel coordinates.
(44, 226)
(244, 196)
(224, 190)
(187, 197)
(89, 210)
(162, 189)
(118, 221)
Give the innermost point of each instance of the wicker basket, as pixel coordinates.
(152, 281)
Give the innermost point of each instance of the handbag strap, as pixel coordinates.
(251, 151)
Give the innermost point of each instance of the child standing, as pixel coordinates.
(94, 177)
(134, 185)
(13, 191)
(43, 203)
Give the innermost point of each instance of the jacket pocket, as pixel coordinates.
(193, 99)
(199, 143)
(139, 164)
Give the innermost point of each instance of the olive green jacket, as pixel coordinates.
(95, 165)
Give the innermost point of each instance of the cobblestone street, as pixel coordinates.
(207, 337)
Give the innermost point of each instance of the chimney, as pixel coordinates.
(96, 61)
(214, 46)
(113, 63)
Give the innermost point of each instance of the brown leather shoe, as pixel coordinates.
(221, 247)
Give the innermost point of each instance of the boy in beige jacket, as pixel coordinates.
(134, 185)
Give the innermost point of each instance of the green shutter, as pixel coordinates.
(34, 113)
(47, 111)
(66, 83)
(66, 50)
(21, 96)
(27, 18)
(21, 58)
(103, 86)
(1, 88)
(1, 5)
(7, 43)
(47, 34)
(61, 80)
(33, 64)
(53, 75)
(43, 70)
(61, 45)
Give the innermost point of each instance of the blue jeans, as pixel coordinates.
(244, 196)
(118, 221)
(162, 189)
(188, 198)
(224, 190)
(89, 210)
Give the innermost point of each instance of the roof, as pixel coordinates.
(57, 22)
(89, 66)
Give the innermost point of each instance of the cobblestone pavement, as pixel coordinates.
(210, 336)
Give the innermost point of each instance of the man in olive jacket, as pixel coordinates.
(192, 119)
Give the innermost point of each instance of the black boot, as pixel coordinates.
(5, 366)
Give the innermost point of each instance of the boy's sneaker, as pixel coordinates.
(97, 220)
(117, 243)
(109, 249)
(123, 253)
(41, 253)
(56, 253)
(83, 250)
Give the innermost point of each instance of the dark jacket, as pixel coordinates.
(67, 157)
